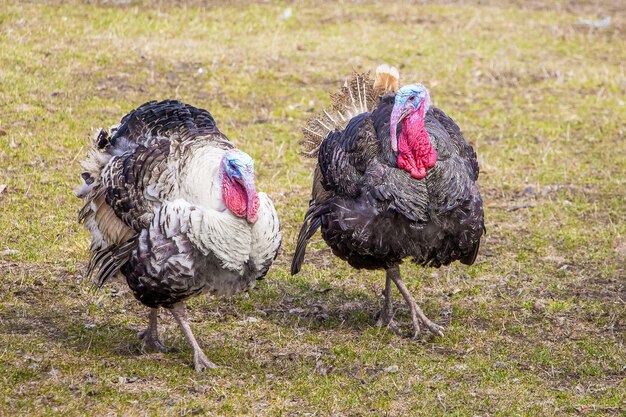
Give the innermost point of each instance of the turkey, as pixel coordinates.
(394, 179)
(171, 204)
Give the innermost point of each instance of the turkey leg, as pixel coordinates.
(385, 317)
(416, 312)
(200, 361)
(150, 336)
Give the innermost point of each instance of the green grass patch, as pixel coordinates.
(535, 327)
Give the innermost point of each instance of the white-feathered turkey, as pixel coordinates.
(380, 197)
(172, 205)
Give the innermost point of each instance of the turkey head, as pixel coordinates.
(238, 190)
(415, 152)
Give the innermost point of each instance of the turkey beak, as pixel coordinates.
(253, 200)
(397, 115)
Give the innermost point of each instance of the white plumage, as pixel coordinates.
(171, 204)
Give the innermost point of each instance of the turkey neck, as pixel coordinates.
(415, 152)
(201, 178)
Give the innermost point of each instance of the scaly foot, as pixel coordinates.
(385, 316)
(150, 342)
(150, 336)
(417, 314)
(387, 322)
(201, 362)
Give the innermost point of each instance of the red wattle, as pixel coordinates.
(234, 196)
(415, 152)
(253, 208)
(240, 201)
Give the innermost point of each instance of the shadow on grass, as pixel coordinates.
(104, 325)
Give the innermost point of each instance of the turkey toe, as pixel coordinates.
(201, 362)
(151, 343)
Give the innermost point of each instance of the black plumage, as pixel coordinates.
(374, 215)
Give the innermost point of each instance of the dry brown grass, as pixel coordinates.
(536, 327)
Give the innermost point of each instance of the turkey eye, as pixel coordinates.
(411, 98)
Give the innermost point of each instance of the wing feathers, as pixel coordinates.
(136, 208)
(110, 260)
(312, 222)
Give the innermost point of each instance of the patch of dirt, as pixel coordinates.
(319, 258)
(114, 85)
(611, 290)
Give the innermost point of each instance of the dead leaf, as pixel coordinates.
(620, 246)
(391, 369)
(250, 319)
(22, 108)
(520, 207)
(539, 306)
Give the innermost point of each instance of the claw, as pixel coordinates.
(201, 362)
(150, 342)
(385, 316)
(150, 336)
(388, 323)
(417, 314)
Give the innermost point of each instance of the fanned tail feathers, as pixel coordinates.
(358, 95)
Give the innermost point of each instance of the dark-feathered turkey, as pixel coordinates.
(171, 203)
(395, 179)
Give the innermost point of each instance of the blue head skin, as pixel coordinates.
(238, 187)
(408, 99)
(238, 165)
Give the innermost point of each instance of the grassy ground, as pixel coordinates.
(536, 327)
